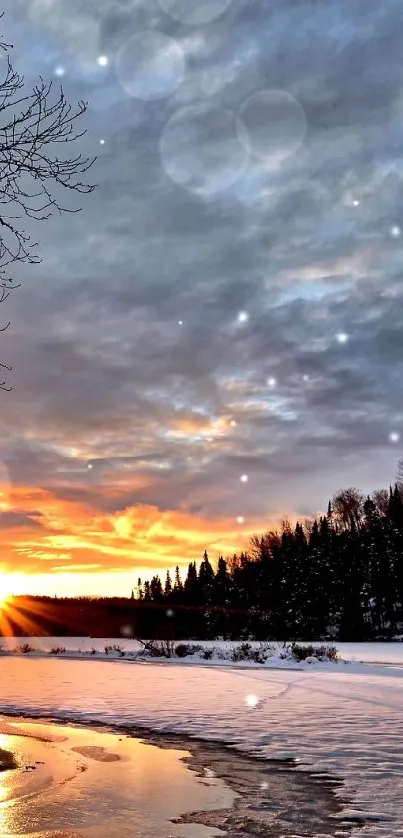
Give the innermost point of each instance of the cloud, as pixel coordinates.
(127, 351)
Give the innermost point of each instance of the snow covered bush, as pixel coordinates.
(183, 650)
(208, 653)
(157, 648)
(247, 652)
(115, 648)
(322, 653)
(24, 649)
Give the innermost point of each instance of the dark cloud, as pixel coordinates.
(15, 520)
(125, 341)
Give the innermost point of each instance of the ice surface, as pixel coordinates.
(344, 720)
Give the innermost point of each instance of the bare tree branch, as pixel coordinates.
(32, 127)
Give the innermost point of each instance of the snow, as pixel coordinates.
(343, 719)
(374, 653)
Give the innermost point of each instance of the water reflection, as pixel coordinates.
(74, 782)
(99, 783)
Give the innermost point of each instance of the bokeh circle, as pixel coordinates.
(150, 65)
(195, 12)
(271, 125)
(200, 150)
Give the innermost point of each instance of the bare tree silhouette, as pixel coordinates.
(32, 126)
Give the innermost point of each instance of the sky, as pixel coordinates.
(215, 340)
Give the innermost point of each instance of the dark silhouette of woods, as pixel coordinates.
(338, 576)
(34, 127)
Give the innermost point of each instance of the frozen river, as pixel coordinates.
(336, 721)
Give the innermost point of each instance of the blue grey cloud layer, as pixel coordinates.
(305, 246)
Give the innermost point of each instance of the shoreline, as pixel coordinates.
(269, 794)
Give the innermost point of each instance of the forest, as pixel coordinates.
(337, 576)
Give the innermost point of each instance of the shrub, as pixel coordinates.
(57, 650)
(115, 648)
(24, 648)
(183, 650)
(322, 653)
(241, 652)
(157, 648)
(207, 653)
(247, 652)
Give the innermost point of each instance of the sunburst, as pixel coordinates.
(5, 588)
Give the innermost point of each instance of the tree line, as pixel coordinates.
(339, 575)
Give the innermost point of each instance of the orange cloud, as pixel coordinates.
(60, 541)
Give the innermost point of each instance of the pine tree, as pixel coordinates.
(177, 596)
(156, 591)
(168, 585)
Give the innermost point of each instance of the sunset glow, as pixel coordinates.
(5, 590)
(55, 546)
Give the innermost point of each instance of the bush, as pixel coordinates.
(57, 650)
(157, 648)
(183, 650)
(322, 653)
(24, 649)
(241, 652)
(207, 654)
(247, 652)
(115, 648)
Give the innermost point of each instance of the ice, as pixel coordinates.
(340, 720)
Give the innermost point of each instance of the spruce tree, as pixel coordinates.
(168, 585)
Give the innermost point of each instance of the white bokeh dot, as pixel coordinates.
(240, 519)
(59, 71)
(394, 436)
(102, 60)
(169, 612)
(244, 478)
(243, 317)
(233, 423)
(342, 337)
(200, 150)
(102, 142)
(395, 231)
(271, 382)
(194, 13)
(271, 125)
(150, 65)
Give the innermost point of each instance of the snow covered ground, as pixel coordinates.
(343, 719)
